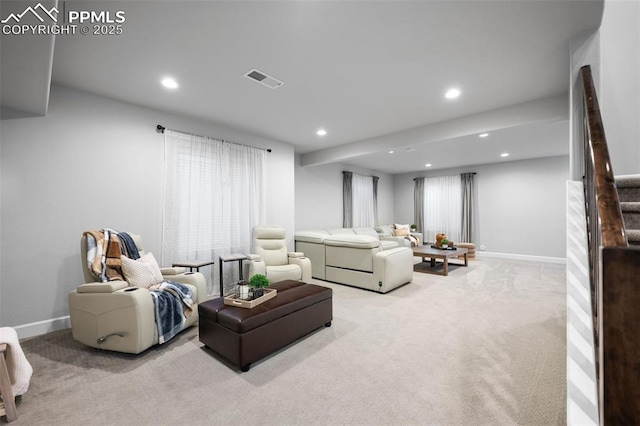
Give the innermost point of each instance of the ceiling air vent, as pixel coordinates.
(264, 79)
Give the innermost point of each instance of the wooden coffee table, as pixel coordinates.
(432, 253)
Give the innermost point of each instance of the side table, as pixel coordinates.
(230, 258)
(194, 264)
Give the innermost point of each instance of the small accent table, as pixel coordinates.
(230, 258)
(194, 264)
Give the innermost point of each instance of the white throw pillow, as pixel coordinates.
(401, 230)
(143, 272)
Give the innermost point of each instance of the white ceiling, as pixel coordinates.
(360, 69)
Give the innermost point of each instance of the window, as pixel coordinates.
(442, 207)
(213, 197)
(360, 200)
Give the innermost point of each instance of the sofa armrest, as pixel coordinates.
(98, 287)
(292, 254)
(305, 265)
(176, 270)
(392, 268)
(253, 265)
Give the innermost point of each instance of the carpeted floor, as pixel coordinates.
(483, 346)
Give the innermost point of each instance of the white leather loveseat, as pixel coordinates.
(356, 257)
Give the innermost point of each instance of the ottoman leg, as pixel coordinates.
(327, 324)
(245, 367)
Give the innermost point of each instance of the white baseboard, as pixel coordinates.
(42, 327)
(526, 257)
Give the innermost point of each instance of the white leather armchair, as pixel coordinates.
(272, 258)
(108, 315)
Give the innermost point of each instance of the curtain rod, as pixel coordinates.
(160, 129)
(347, 171)
(473, 173)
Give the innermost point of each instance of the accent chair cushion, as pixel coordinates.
(143, 272)
(279, 273)
(269, 232)
(272, 252)
(270, 244)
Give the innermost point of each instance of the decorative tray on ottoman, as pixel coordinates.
(444, 248)
(269, 293)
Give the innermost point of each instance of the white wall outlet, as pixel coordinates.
(483, 247)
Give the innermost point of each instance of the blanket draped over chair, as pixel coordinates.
(173, 301)
(415, 241)
(104, 248)
(19, 369)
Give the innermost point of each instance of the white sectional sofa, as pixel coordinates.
(356, 257)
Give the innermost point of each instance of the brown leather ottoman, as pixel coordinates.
(244, 335)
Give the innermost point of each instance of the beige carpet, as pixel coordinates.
(483, 346)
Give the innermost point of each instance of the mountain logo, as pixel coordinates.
(34, 11)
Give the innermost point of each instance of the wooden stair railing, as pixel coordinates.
(615, 276)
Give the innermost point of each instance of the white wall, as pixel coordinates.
(319, 195)
(612, 52)
(92, 162)
(620, 74)
(585, 50)
(520, 205)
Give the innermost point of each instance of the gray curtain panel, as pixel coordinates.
(468, 184)
(418, 203)
(347, 199)
(375, 200)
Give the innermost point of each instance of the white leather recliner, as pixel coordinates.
(272, 258)
(108, 315)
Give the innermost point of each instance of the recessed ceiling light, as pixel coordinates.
(391, 152)
(321, 132)
(169, 83)
(452, 93)
(428, 165)
(483, 135)
(504, 154)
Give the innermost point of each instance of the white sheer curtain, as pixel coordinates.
(214, 194)
(364, 207)
(443, 207)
